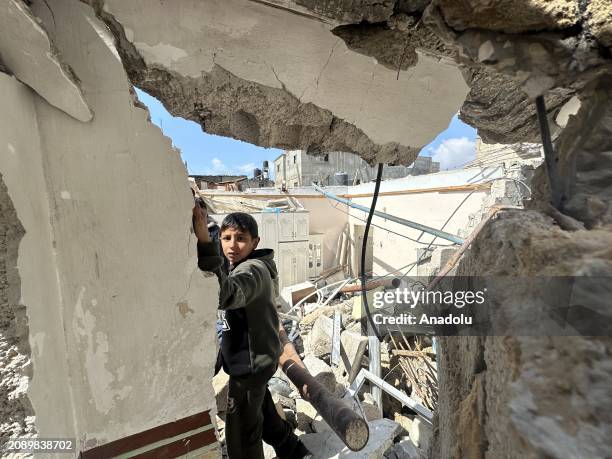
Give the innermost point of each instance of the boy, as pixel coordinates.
(250, 345)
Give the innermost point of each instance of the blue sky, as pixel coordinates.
(208, 154)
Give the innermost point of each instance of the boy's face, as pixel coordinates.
(237, 244)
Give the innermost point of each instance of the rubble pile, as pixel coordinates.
(407, 364)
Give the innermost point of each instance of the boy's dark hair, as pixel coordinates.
(241, 221)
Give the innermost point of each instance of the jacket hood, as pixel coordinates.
(267, 256)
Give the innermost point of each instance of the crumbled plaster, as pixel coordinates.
(532, 397)
(510, 16)
(16, 413)
(291, 96)
(230, 106)
(537, 60)
(394, 44)
(29, 53)
(500, 110)
(599, 21)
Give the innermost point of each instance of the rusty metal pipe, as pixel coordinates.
(351, 428)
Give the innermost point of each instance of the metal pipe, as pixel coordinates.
(550, 157)
(439, 233)
(415, 406)
(350, 427)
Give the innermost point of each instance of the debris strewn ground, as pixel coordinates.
(408, 363)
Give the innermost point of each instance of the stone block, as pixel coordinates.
(305, 414)
(403, 450)
(358, 310)
(321, 371)
(319, 339)
(326, 444)
(352, 350)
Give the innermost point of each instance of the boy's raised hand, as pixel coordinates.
(200, 223)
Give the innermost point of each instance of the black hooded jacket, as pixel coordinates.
(250, 342)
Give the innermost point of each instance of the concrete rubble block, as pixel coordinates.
(352, 350)
(311, 317)
(599, 20)
(305, 414)
(510, 16)
(404, 449)
(319, 339)
(327, 445)
(358, 309)
(271, 101)
(28, 52)
(420, 432)
(371, 411)
(268, 451)
(321, 371)
(221, 386)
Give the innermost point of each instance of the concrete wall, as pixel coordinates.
(431, 208)
(295, 70)
(391, 251)
(121, 321)
(33, 304)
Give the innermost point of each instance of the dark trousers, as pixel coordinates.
(251, 416)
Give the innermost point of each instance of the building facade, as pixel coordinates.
(297, 168)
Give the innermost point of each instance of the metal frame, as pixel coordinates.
(364, 375)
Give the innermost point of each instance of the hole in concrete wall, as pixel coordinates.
(16, 412)
(213, 155)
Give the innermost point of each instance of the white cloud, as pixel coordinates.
(454, 153)
(246, 169)
(218, 165)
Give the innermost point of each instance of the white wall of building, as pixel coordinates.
(121, 321)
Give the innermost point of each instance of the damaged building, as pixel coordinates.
(106, 323)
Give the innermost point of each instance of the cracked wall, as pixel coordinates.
(535, 397)
(270, 77)
(512, 397)
(111, 309)
(15, 408)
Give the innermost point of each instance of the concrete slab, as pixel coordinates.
(30, 55)
(297, 55)
(319, 339)
(327, 445)
(321, 371)
(353, 347)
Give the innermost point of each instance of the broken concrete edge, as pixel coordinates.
(319, 130)
(80, 109)
(527, 58)
(16, 368)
